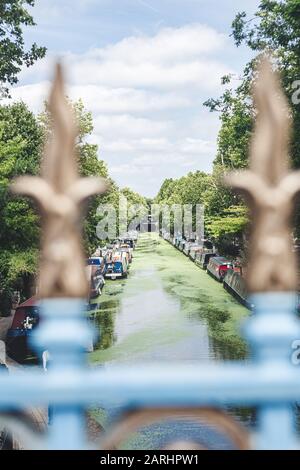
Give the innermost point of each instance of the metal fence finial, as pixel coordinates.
(269, 189)
(60, 195)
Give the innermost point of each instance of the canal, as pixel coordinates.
(168, 309)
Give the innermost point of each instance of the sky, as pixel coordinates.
(143, 68)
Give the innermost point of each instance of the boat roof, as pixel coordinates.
(32, 302)
(95, 261)
(221, 259)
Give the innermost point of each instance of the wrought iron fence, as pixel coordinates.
(269, 382)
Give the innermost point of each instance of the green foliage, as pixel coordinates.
(232, 221)
(190, 189)
(133, 198)
(225, 215)
(21, 141)
(22, 138)
(13, 55)
(234, 136)
(14, 265)
(89, 165)
(17, 272)
(137, 208)
(274, 28)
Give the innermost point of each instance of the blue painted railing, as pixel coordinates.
(270, 382)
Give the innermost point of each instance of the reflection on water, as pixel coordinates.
(167, 310)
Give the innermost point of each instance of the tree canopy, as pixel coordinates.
(275, 29)
(14, 16)
(21, 141)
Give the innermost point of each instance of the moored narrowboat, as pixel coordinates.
(182, 244)
(235, 284)
(202, 259)
(95, 276)
(178, 240)
(129, 242)
(186, 248)
(26, 319)
(195, 249)
(115, 266)
(218, 266)
(166, 236)
(125, 248)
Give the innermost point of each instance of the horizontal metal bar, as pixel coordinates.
(156, 385)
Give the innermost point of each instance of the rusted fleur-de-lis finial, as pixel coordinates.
(270, 188)
(60, 195)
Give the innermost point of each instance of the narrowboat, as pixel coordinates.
(235, 284)
(202, 259)
(195, 249)
(26, 319)
(208, 246)
(115, 266)
(95, 275)
(189, 246)
(177, 242)
(132, 235)
(186, 248)
(129, 242)
(124, 257)
(218, 266)
(182, 245)
(125, 248)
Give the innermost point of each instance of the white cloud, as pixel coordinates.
(124, 100)
(169, 45)
(146, 95)
(197, 73)
(129, 126)
(174, 58)
(34, 95)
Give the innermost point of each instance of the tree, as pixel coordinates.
(21, 141)
(275, 29)
(133, 198)
(137, 208)
(187, 190)
(228, 229)
(89, 165)
(13, 55)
